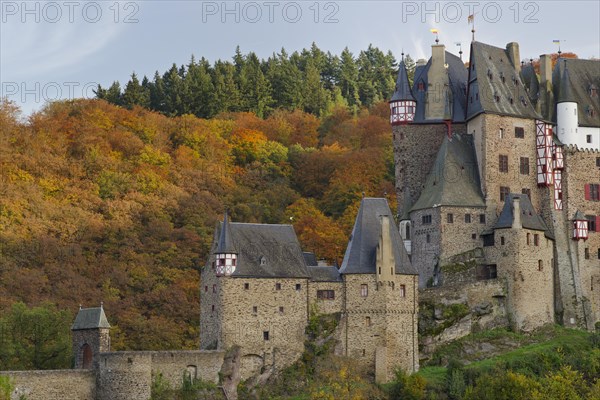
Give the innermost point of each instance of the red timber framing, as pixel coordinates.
(402, 112)
(544, 142)
(558, 157)
(580, 229)
(558, 193)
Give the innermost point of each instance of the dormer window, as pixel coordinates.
(421, 87)
(523, 101)
(263, 260)
(593, 90)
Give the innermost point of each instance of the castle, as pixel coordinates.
(259, 287)
(490, 160)
(498, 189)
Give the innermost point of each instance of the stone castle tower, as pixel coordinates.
(91, 336)
(498, 140)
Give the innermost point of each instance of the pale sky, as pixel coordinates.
(63, 49)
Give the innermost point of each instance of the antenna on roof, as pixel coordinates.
(435, 32)
(471, 20)
(460, 52)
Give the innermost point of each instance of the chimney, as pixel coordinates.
(546, 100)
(513, 53)
(545, 69)
(517, 213)
(385, 252)
(438, 54)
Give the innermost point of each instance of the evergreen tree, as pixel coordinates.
(226, 95)
(112, 94)
(175, 92)
(348, 78)
(254, 87)
(199, 94)
(316, 97)
(157, 94)
(286, 81)
(135, 93)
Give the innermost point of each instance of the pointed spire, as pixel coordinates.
(225, 244)
(403, 91)
(565, 94)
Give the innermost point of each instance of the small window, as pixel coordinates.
(504, 192)
(588, 138)
(214, 288)
(467, 218)
(266, 335)
(502, 240)
(587, 253)
(426, 219)
(524, 165)
(536, 240)
(263, 261)
(367, 321)
(488, 240)
(528, 239)
(598, 162)
(254, 310)
(450, 218)
(599, 254)
(280, 310)
(592, 223)
(421, 87)
(364, 290)
(278, 286)
(594, 192)
(428, 238)
(474, 236)
(298, 286)
(482, 218)
(402, 290)
(503, 163)
(519, 132)
(501, 133)
(212, 308)
(326, 294)
(246, 286)
(540, 265)
(206, 288)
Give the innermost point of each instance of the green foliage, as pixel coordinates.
(35, 338)
(161, 389)
(407, 387)
(309, 80)
(6, 387)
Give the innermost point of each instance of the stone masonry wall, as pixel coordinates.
(580, 169)
(426, 244)
(282, 314)
(124, 376)
(326, 306)
(97, 339)
(210, 308)
(381, 321)
(460, 236)
(53, 385)
(490, 143)
(529, 275)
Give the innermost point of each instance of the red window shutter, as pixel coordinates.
(597, 223)
(588, 195)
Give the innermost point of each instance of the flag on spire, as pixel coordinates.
(471, 18)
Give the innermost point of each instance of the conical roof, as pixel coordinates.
(402, 91)
(225, 243)
(565, 93)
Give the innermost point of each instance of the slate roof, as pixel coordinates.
(277, 245)
(310, 259)
(491, 65)
(579, 216)
(402, 91)
(532, 82)
(581, 75)
(457, 76)
(324, 274)
(225, 244)
(454, 177)
(360, 257)
(90, 318)
(529, 217)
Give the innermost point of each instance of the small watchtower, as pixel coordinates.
(91, 336)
